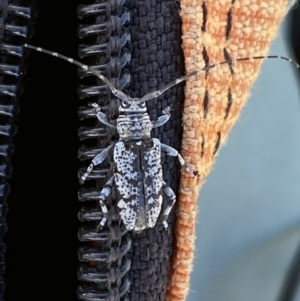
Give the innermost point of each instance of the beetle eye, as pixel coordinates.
(142, 104)
(125, 104)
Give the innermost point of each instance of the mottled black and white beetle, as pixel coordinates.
(137, 156)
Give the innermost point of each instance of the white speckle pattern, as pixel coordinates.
(138, 178)
(153, 179)
(126, 177)
(137, 126)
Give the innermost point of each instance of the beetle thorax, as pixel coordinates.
(133, 122)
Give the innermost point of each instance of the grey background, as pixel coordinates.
(249, 221)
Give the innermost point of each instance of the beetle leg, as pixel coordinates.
(173, 152)
(105, 192)
(161, 120)
(171, 195)
(101, 116)
(96, 161)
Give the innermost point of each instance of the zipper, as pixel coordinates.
(103, 256)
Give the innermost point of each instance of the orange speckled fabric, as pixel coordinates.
(211, 29)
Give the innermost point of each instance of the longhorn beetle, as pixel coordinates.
(137, 156)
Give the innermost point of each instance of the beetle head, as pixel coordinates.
(132, 106)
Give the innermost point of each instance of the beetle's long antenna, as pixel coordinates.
(115, 91)
(151, 95)
(157, 93)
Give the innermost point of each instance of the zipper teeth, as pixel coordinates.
(15, 28)
(104, 263)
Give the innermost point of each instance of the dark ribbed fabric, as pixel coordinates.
(156, 60)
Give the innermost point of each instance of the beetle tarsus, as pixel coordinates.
(165, 224)
(87, 173)
(101, 224)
